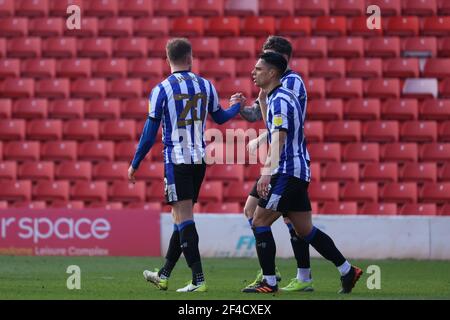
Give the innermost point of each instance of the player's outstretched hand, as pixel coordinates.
(131, 174)
(238, 98)
(263, 186)
(252, 146)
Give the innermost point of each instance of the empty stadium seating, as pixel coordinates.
(73, 102)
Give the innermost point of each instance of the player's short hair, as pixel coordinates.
(278, 44)
(275, 60)
(178, 49)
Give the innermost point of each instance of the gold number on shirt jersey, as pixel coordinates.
(191, 104)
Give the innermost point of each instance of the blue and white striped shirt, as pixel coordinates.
(182, 102)
(284, 112)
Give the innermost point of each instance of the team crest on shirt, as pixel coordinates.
(277, 120)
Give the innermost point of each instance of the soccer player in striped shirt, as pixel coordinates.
(182, 102)
(283, 186)
(293, 81)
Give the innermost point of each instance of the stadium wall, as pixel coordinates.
(359, 237)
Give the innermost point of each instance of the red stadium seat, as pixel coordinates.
(357, 27)
(324, 152)
(149, 170)
(102, 109)
(382, 88)
(38, 68)
(315, 171)
(21, 150)
(63, 47)
(225, 172)
(8, 170)
(95, 47)
(74, 170)
(218, 68)
(6, 8)
(282, 8)
(238, 191)
(104, 8)
(380, 131)
(330, 109)
(327, 68)
(293, 26)
(5, 108)
(311, 7)
(88, 29)
(19, 190)
(436, 26)
(124, 88)
(206, 8)
(399, 152)
(48, 129)
(444, 88)
(211, 191)
(444, 131)
(74, 68)
(419, 172)
(29, 204)
(55, 88)
(434, 109)
(252, 173)
(419, 131)
(228, 87)
(136, 8)
(346, 47)
(66, 109)
(444, 173)
(436, 68)
(171, 8)
(12, 129)
(315, 88)
(342, 131)
(116, 27)
(106, 205)
(30, 108)
(347, 8)
(206, 47)
(81, 129)
(443, 47)
(299, 65)
(51, 190)
(360, 192)
(110, 171)
(222, 26)
(340, 172)
(96, 151)
(420, 209)
(224, 207)
(125, 150)
(117, 129)
(401, 26)
(445, 210)
(258, 26)
(362, 109)
(145, 68)
(59, 150)
(59, 7)
(435, 192)
(151, 27)
(46, 27)
(330, 26)
(396, 109)
(186, 27)
(9, 68)
(243, 47)
(310, 47)
(380, 172)
(13, 27)
(401, 68)
(324, 191)
(399, 192)
(154, 206)
(382, 47)
(419, 47)
(361, 152)
(241, 8)
(130, 48)
(378, 209)
(388, 7)
(344, 88)
(17, 88)
(88, 89)
(125, 191)
(313, 131)
(134, 109)
(343, 208)
(110, 68)
(89, 191)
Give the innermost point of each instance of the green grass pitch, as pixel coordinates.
(121, 278)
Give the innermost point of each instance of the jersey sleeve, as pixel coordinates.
(280, 115)
(157, 101)
(213, 101)
(296, 84)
